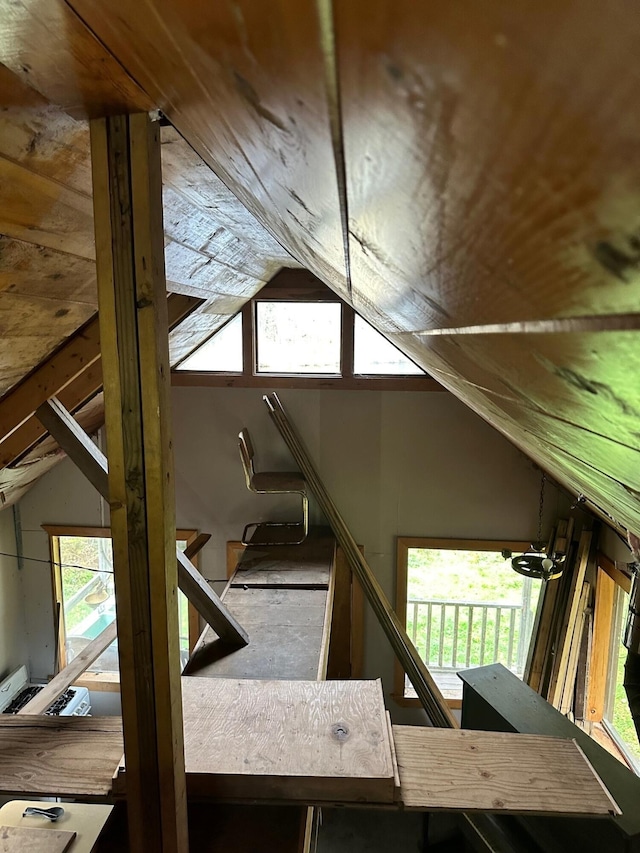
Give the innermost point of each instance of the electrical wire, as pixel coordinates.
(85, 568)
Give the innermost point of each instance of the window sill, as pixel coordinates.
(192, 378)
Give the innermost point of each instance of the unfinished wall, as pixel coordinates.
(13, 641)
(396, 463)
(61, 497)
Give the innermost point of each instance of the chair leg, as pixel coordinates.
(267, 532)
(273, 533)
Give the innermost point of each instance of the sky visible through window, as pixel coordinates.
(298, 337)
(222, 353)
(301, 338)
(374, 355)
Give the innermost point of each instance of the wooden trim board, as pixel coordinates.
(502, 772)
(599, 664)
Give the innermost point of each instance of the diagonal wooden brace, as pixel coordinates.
(93, 463)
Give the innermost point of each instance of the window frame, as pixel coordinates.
(605, 649)
(308, 291)
(101, 681)
(403, 545)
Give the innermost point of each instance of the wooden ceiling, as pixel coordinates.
(466, 175)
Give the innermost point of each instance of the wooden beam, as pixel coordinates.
(427, 690)
(76, 444)
(197, 545)
(617, 575)
(50, 378)
(93, 463)
(73, 374)
(66, 677)
(127, 194)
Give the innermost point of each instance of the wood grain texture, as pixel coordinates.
(262, 69)
(59, 756)
(568, 688)
(49, 49)
(605, 495)
(213, 246)
(599, 663)
(506, 170)
(299, 740)
(615, 571)
(288, 652)
(452, 103)
(26, 839)
(286, 565)
(569, 616)
(73, 373)
(497, 700)
(286, 619)
(496, 772)
(481, 176)
(127, 183)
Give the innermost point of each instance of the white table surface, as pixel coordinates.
(85, 819)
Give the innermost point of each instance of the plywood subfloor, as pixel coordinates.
(64, 756)
(458, 769)
(299, 740)
(285, 628)
(308, 564)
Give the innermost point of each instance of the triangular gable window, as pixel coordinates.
(374, 355)
(222, 353)
(297, 333)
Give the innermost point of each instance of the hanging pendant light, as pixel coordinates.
(538, 562)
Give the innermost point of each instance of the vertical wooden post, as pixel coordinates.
(127, 192)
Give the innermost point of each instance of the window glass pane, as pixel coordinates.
(298, 337)
(222, 353)
(373, 354)
(88, 597)
(183, 616)
(466, 609)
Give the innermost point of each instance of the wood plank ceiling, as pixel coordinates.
(466, 175)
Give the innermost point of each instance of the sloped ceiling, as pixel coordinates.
(467, 175)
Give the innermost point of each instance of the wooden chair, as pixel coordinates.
(273, 483)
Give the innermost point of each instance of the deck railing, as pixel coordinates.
(460, 634)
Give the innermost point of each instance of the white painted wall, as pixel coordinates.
(13, 640)
(63, 496)
(396, 464)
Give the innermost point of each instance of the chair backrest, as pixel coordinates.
(246, 454)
